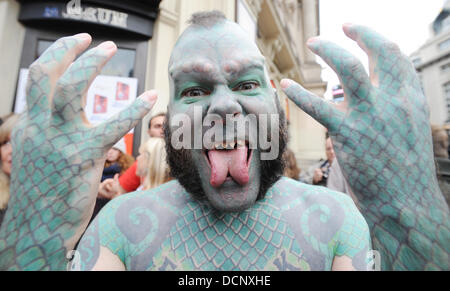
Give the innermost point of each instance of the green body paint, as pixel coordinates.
(166, 229)
(382, 139)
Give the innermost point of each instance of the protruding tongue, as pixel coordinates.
(228, 161)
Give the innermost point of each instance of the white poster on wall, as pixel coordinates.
(21, 100)
(109, 95)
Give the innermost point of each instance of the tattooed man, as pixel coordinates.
(229, 208)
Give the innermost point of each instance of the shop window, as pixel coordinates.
(447, 99)
(446, 24)
(444, 45)
(445, 68)
(42, 46)
(120, 65)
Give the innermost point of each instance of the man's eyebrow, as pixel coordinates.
(234, 67)
(242, 66)
(198, 67)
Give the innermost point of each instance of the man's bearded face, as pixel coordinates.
(219, 74)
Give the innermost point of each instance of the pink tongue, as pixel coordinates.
(232, 161)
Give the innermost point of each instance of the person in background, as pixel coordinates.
(441, 159)
(156, 125)
(152, 164)
(117, 162)
(6, 128)
(318, 173)
(152, 169)
(440, 141)
(291, 169)
(129, 181)
(337, 182)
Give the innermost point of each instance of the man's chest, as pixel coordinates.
(257, 240)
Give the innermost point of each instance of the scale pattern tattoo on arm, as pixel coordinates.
(382, 139)
(58, 156)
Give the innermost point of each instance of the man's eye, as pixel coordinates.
(194, 92)
(246, 86)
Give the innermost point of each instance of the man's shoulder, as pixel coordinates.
(170, 196)
(289, 188)
(299, 201)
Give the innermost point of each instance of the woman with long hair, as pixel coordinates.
(117, 162)
(291, 169)
(6, 161)
(152, 164)
(152, 168)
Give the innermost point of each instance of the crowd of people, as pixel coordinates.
(123, 173)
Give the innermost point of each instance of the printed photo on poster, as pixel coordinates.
(122, 91)
(100, 104)
(108, 95)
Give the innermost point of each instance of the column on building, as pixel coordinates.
(10, 29)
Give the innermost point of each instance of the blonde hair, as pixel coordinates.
(291, 169)
(440, 141)
(5, 132)
(157, 168)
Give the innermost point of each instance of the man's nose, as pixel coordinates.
(224, 104)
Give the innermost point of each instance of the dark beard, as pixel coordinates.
(183, 169)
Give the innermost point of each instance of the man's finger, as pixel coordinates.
(351, 72)
(72, 86)
(113, 129)
(388, 65)
(45, 71)
(319, 109)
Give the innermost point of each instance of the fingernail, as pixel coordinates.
(82, 36)
(285, 83)
(312, 42)
(347, 27)
(150, 96)
(347, 24)
(107, 45)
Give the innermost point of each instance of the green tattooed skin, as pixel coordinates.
(295, 227)
(381, 136)
(292, 227)
(58, 157)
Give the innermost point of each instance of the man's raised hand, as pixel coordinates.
(58, 156)
(382, 139)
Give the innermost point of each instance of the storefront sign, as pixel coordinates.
(99, 15)
(21, 100)
(138, 20)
